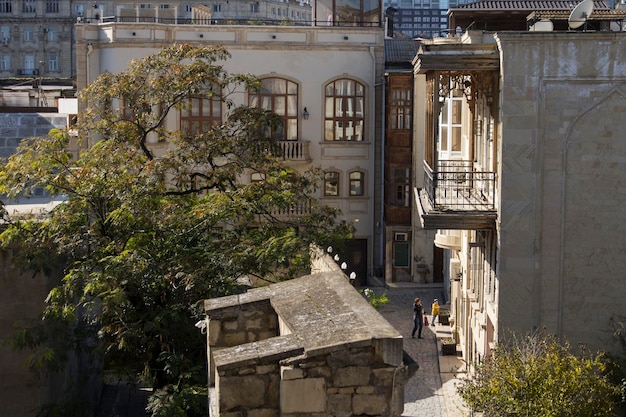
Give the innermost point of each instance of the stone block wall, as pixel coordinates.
(281, 351)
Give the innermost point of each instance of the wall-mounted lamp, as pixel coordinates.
(352, 276)
(459, 277)
(305, 114)
(344, 265)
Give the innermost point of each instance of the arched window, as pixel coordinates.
(343, 114)
(331, 183)
(280, 96)
(200, 113)
(357, 183)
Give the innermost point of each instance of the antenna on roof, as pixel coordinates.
(580, 14)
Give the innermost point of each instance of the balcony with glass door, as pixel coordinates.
(459, 177)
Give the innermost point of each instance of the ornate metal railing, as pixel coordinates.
(455, 185)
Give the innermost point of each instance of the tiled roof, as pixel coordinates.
(400, 50)
(530, 5)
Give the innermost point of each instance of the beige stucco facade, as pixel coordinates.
(308, 56)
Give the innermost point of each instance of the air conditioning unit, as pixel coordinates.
(400, 237)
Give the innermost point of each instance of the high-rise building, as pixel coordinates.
(420, 18)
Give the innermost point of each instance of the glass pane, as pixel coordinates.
(339, 107)
(292, 88)
(195, 107)
(349, 107)
(348, 12)
(292, 106)
(346, 87)
(359, 107)
(371, 11)
(280, 104)
(279, 132)
(323, 13)
(253, 100)
(443, 143)
(444, 112)
(339, 133)
(216, 110)
(292, 129)
(456, 111)
(456, 139)
(329, 107)
(266, 103)
(407, 118)
(329, 130)
(358, 130)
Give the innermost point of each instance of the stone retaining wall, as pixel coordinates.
(308, 347)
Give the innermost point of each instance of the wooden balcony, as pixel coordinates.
(455, 196)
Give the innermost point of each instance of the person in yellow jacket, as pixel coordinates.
(434, 311)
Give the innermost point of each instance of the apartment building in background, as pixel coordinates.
(330, 76)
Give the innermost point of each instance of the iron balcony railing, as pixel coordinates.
(455, 185)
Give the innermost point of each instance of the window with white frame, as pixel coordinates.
(52, 6)
(28, 33)
(254, 7)
(29, 6)
(53, 62)
(52, 34)
(450, 125)
(217, 8)
(5, 34)
(6, 6)
(343, 114)
(5, 62)
(29, 65)
(280, 96)
(79, 9)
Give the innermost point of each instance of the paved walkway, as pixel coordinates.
(431, 392)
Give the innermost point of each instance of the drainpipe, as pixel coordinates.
(379, 223)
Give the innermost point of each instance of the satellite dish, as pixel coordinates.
(544, 25)
(580, 14)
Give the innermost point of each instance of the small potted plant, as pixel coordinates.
(448, 346)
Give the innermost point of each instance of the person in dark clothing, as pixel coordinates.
(418, 318)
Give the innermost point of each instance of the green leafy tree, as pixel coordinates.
(537, 376)
(156, 220)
